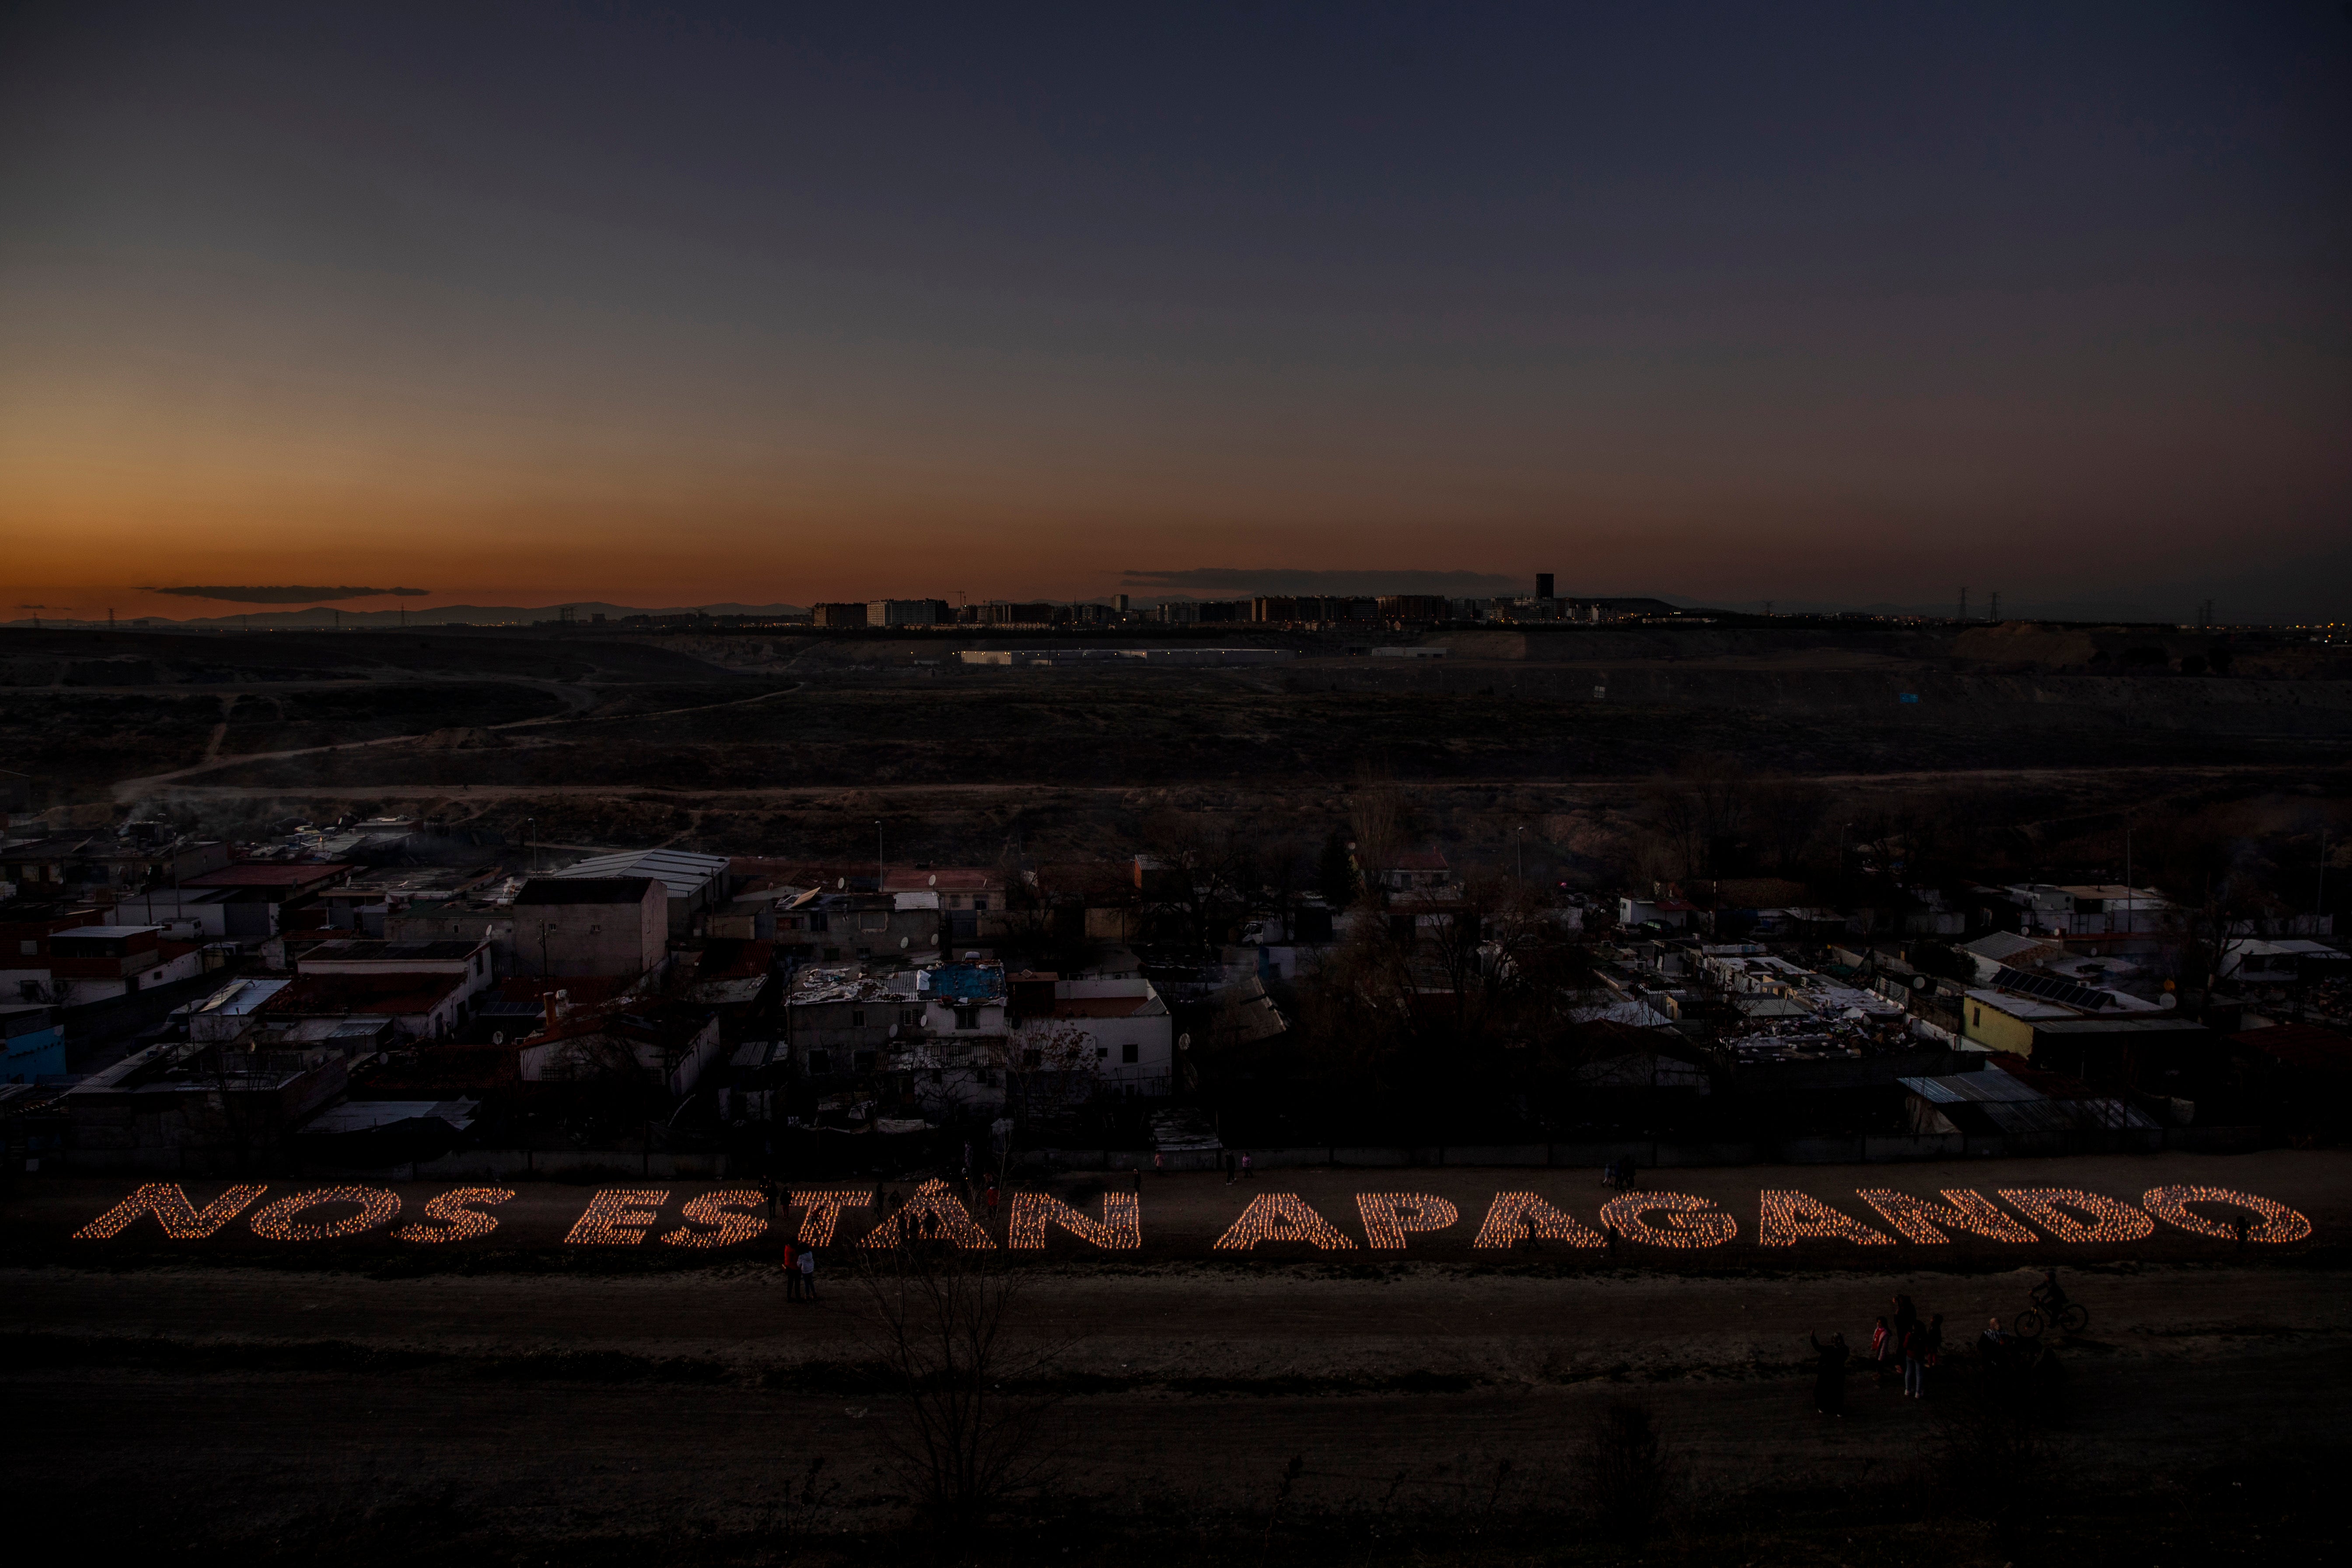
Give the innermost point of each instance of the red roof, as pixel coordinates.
(1098, 1007)
(580, 990)
(1415, 860)
(448, 1069)
(2306, 1045)
(2056, 1085)
(267, 874)
(398, 995)
(736, 959)
(945, 879)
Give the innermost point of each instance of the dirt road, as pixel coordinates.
(563, 1401)
(166, 785)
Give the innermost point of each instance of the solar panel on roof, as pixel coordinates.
(2050, 989)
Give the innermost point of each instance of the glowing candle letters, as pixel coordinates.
(1281, 1216)
(2273, 1222)
(1784, 1218)
(618, 1217)
(378, 1205)
(1514, 1217)
(723, 1212)
(1119, 1230)
(1690, 1220)
(1391, 1214)
(459, 1210)
(824, 1205)
(181, 1220)
(955, 1221)
(1388, 1216)
(1924, 1221)
(2111, 1219)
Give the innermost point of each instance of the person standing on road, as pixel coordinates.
(792, 1273)
(1158, 1163)
(1229, 1167)
(1906, 1318)
(808, 1271)
(1881, 1344)
(1914, 1362)
(1247, 1174)
(1935, 1333)
(992, 1202)
(1828, 1376)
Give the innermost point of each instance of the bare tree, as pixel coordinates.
(1042, 1062)
(1789, 816)
(1631, 1477)
(1204, 882)
(1379, 814)
(973, 1401)
(1672, 816)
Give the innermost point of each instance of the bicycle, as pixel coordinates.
(2051, 1307)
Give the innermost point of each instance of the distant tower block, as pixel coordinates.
(1543, 584)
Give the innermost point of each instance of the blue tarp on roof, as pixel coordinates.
(966, 982)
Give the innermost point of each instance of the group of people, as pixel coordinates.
(800, 1271)
(1901, 1345)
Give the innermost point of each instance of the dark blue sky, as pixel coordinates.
(1806, 302)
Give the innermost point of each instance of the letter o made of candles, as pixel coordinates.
(1690, 1220)
(378, 1205)
(718, 1218)
(1388, 1216)
(2061, 1211)
(459, 1211)
(2274, 1222)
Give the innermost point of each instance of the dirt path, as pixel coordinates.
(1202, 1385)
(575, 698)
(787, 793)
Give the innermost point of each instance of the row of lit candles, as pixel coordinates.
(621, 1217)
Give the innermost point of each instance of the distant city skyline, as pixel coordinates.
(1832, 305)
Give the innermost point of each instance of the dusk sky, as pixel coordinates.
(670, 305)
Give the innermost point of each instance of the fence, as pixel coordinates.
(1648, 1154)
(621, 1165)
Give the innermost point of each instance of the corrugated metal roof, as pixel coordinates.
(683, 872)
(1979, 1087)
(365, 1115)
(2014, 1105)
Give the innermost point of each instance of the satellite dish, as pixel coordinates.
(841, 882)
(935, 879)
(904, 941)
(1183, 1042)
(1919, 982)
(497, 1037)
